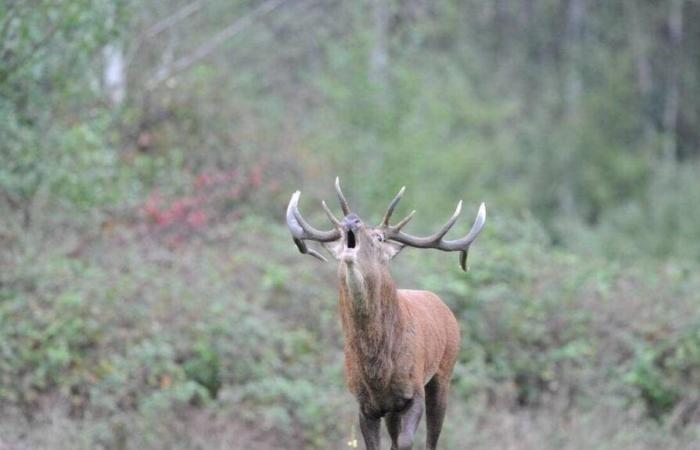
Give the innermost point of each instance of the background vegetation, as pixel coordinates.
(151, 297)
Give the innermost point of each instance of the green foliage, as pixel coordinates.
(45, 343)
(204, 368)
(663, 221)
(666, 372)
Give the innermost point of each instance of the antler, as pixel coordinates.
(390, 211)
(435, 240)
(341, 198)
(301, 230)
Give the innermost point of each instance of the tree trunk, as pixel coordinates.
(572, 86)
(379, 55)
(114, 76)
(639, 45)
(672, 102)
(574, 37)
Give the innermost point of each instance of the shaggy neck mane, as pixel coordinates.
(371, 321)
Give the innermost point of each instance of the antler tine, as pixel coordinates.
(467, 240)
(330, 215)
(403, 221)
(436, 240)
(474, 231)
(392, 205)
(436, 237)
(301, 230)
(450, 223)
(341, 198)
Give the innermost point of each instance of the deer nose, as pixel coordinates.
(351, 222)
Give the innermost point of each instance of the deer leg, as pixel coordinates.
(435, 406)
(393, 426)
(409, 423)
(370, 431)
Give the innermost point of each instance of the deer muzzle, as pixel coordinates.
(350, 227)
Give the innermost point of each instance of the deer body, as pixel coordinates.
(400, 345)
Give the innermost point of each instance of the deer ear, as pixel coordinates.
(390, 249)
(335, 248)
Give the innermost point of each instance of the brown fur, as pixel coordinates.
(393, 351)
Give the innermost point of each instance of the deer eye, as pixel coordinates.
(380, 237)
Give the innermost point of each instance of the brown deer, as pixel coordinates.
(400, 345)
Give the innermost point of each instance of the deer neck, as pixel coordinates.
(370, 316)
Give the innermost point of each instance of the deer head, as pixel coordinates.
(353, 242)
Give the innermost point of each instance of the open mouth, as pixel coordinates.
(350, 239)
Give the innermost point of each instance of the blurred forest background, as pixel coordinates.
(150, 294)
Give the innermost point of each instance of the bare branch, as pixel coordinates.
(174, 19)
(163, 25)
(212, 44)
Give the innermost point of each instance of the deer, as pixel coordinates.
(400, 345)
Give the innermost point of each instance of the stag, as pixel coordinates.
(400, 345)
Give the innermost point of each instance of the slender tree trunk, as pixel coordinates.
(673, 101)
(114, 77)
(533, 58)
(378, 70)
(639, 45)
(379, 55)
(500, 25)
(574, 36)
(572, 88)
(639, 48)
